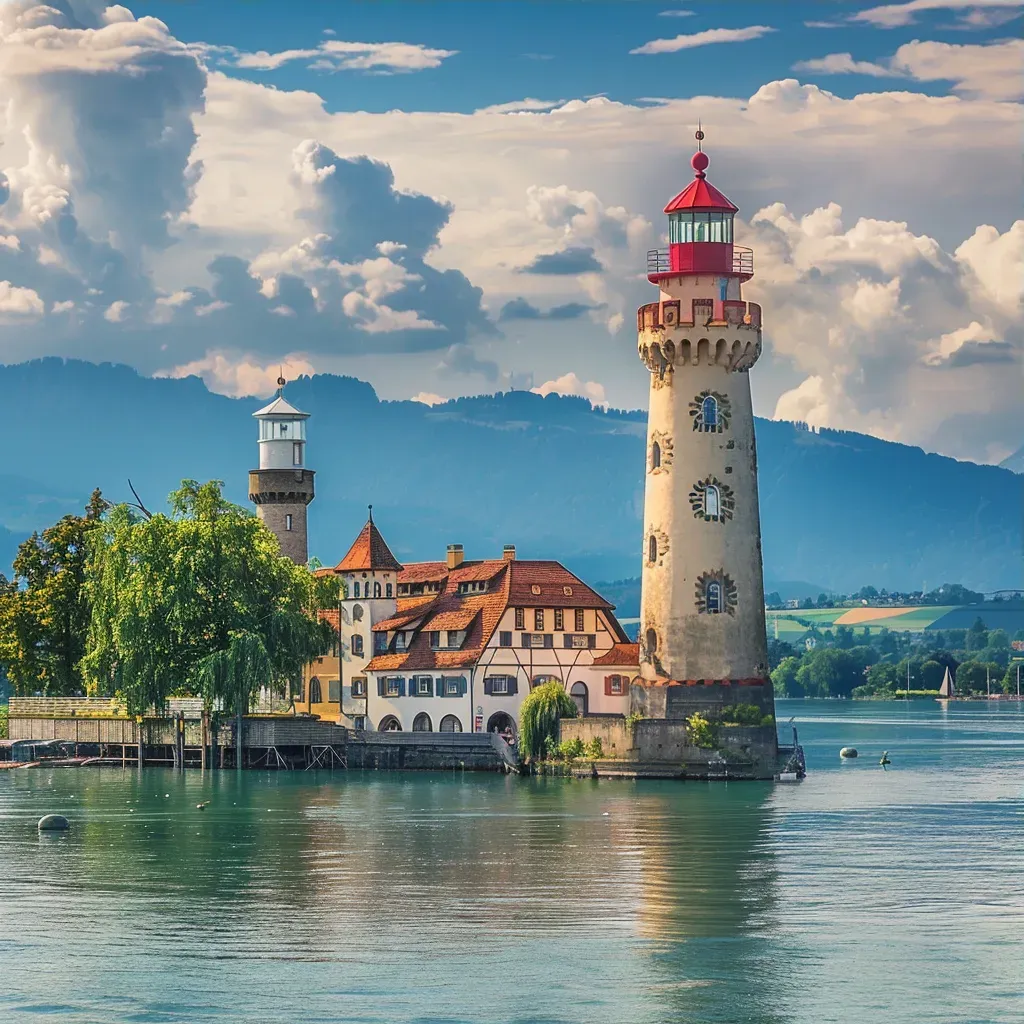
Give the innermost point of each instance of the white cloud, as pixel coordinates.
(116, 312)
(19, 302)
(677, 13)
(705, 38)
(898, 15)
(428, 398)
(891, 334)
(238, 375)
(333, 55)
(570, 384)
(519, 106)
(994, 71)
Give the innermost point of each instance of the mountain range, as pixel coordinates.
(553, 475)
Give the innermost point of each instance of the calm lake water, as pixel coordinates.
(857, 895)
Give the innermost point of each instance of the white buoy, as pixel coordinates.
(53, 823)
(848, 752)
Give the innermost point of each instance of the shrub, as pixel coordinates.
(595, 748)
(3, 721)
(571, 750)
(700, 731)
(632, 718)
(741, 714)
(539, 716)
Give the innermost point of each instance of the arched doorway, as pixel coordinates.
(578, 692)
(389, 724)
(450, 724)
(504, 724)
(421, 723)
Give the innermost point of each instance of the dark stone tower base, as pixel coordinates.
(281, 497)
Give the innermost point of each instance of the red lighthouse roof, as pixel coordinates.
(700, 194)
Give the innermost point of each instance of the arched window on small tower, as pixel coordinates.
(652, 549)
(709, 412)
(713, 597)
(655, 455)
(376, 589)
(355, 589)
(712, 501)
(387, 590)
(652, 641)
(315, 693)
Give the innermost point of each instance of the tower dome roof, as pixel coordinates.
(280, 406)
(700, 194)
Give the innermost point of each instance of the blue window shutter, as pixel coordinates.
(591, 640)
(525, 640)
(380, 687)
(488, 686)
(401, 686)
(513, 684)
(567, 640)
(440, 686)
(549, 640)
(462, 686)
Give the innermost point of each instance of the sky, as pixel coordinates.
(457, 198)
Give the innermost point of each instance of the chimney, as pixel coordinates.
(509, 553)
(455, 556)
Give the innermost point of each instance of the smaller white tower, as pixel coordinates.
(282, 487)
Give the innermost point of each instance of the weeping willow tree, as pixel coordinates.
(198, 601)
(539, 715)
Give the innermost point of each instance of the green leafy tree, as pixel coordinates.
(829, 672)
(863, 657)
(973, 676)
(998, 640)
(199, 600)
(888, 643)
(774, 600)
(700, 732)
(882, 676)
(977, 636)
(844, 637)
(539, 714)
(931, 675)
(784, 678)
(44, 610)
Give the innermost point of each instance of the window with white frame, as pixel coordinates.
(451, 686)
(580, 622)
(359, 686)
(424, 686)
(499, 685)
(391, 686)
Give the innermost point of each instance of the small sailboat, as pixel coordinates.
(946, 690)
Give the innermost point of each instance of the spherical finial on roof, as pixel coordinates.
(281, 382)
(699, 162)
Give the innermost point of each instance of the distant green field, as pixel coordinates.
(1006, 615)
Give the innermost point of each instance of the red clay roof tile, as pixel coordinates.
(368, 553)
(620, 655)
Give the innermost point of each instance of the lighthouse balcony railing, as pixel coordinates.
(659, 261)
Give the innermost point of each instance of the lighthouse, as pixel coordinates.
(282, 487)
(702, 603)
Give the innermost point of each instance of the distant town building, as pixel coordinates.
(456, 645)
(282, 487)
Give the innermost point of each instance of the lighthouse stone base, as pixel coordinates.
(659, 744)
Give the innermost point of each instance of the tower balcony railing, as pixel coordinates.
(659, 261)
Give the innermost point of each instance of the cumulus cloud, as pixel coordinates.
(333, 55)
(677, 13)
(570, 384)
(520, 309)
(705, 38)
(428, 398)
(994, 71)
(574, 260)
(898, 15)
(238, 374)
(891, 332)
(19, 302)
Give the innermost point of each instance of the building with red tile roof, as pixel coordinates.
(456, 645)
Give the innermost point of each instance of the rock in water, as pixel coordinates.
(53, 823)
(848, 752)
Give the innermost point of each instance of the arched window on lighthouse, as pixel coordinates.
(376, 589)
(355, 589)
(713, 597)
(711, 501)
(655, 455)
(709, 412)
(652, 549)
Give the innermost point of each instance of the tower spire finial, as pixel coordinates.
(280, 381)
(370, 507)
(699, 162)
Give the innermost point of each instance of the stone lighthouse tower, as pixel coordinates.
(702, 605)
(282, 487)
